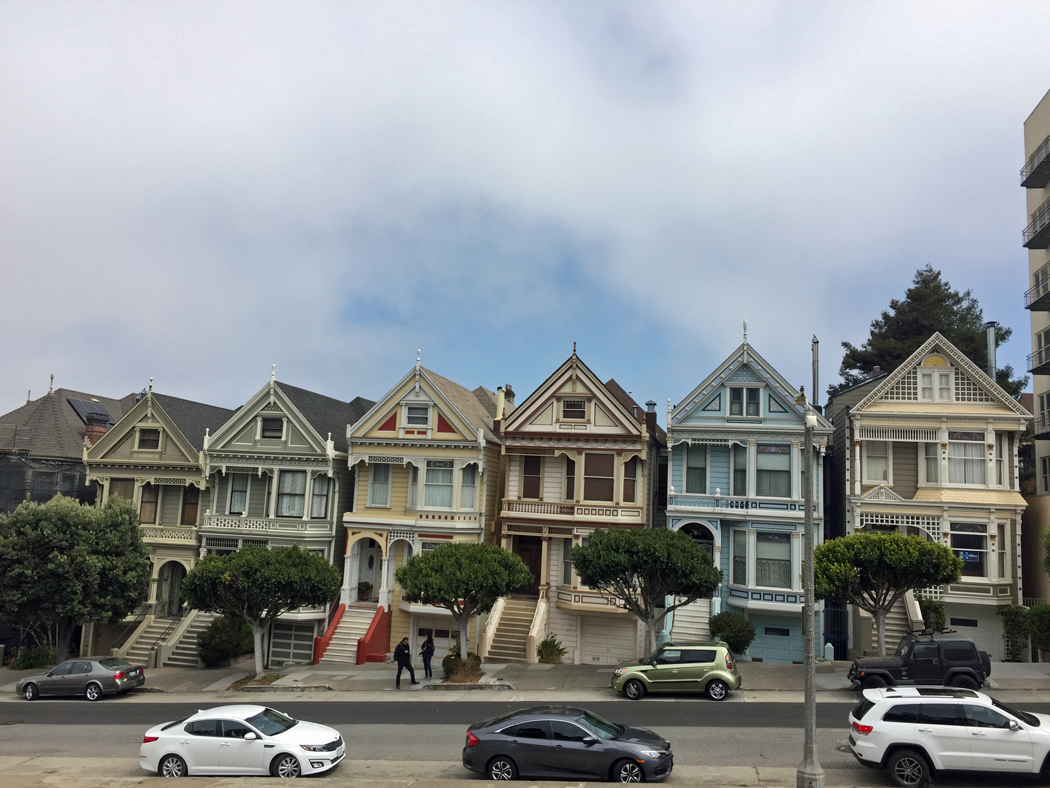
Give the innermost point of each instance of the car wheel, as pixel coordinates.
(964, 682)
(627, 772)
(909, 769)
(171, 766)
(286, 767)
(502, 768)
(93, 691)
(30, 692)
(873, 682)
(717, 690)
(634, 689)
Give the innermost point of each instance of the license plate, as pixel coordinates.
(339, 752)
(852, 741)
(135, 674)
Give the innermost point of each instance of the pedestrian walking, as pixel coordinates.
(427, 653)
(403, 655)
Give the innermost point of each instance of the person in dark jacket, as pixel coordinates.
(427, 653)
(403, 656)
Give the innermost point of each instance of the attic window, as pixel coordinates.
(149, 439)
(273, 428)
(574, 409)
(418, 416)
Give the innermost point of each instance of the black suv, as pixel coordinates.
(929, 658)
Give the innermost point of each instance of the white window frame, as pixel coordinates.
(287, 473)
(888, 482)
(707, 470)
(743, 404)
(327, 496)
(1002, 554)
(989, 554)
(732, 557)
(372, 501)
(935, 394)
(138, 438)
(247, 493)
(924, 480)
(463, 486)
(981, 463)
(284, 427)
(412, 425)
(565, 480)
(561, 409)
(734, 449)
(451, 485)
(999, 455)
(791, 558)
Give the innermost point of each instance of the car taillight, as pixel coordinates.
(729, 662)
(119, 675)
(864, 729)
(472, 740)
(148, 739)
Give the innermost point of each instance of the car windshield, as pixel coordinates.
(902, 647)
(114, 663)
(1031, 719)
(271, 722)
(600, 727)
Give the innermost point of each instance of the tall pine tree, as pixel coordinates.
(929, 305)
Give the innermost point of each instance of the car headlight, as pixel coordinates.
(313, 747)
(655, 753)
(619, 671)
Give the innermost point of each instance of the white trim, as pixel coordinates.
(888, 481)
(389, 486)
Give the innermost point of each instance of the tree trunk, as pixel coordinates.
(652, 632)
(65, 634)
(880, 629)
(258, 630)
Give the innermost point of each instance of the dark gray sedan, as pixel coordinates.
(565, 743)
(92, 678)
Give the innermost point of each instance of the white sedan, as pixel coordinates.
(240, 740)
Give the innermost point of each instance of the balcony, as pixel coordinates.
(1039, 362)
(1037, 234)
(276, 527)
(568, 512)
(163, 534)
(723, 502)
(1041, 427)
(1037, 298)
(1036, 171)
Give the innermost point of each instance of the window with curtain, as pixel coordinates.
(570, 479)
(566, 562)
(752, 402)
(238, 493)
(125, 488)
(291, 493)
(970, 543)
(413, 485)
(876, 462)
(1000, 548)
(148, 508)
(696, 469)
(630, 480)
(932, 460)
(149, 439)
(740, 557)
(469, 488)
(598, 470)
(1000, 459)
(966, 458)
(740, 470)
(437, 484)
(319, 497)
(190, 503)
(773, 470)
(379, 486)
(773, 559)
(736, 402)
(530, 477)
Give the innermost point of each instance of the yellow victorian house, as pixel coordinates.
(427, 461)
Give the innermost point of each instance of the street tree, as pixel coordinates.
(464, 578)
(258, 585)
(65, 564)
(642, 567)
(928, 306)
(874, 571)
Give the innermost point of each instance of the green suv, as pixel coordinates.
(679, 667)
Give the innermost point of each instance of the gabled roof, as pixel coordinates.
(193, 418)
(632, 407)
(744, 354)
(325, 414)
(50, 427)
(939, 343)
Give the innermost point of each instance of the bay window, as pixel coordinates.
(291, 493)
(190, 502)
(1000, 459)
(469, 487)
(630, 480)
(877, 462)
(773, 470)
(966, 458)
(379, 486)
(1000, 547)
(319, 497)
(238, 493)
(932, 462)
(740, 557)
(148, 507)
(570, 479)
(773, 559)
(530, 477)
(969, 541)
(598, 475)
(437, 484)
(696, 469)
(566, 562)
(739, 470)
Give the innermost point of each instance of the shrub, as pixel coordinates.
(1039, 626)
(932, 613)
(459, 670)
(364, 590)
(734, 629)
(30, 658)
(549, 650)
(224, 639)
(1017, 628)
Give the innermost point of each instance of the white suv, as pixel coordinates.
(916, 731)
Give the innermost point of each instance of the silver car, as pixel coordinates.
(92, 678)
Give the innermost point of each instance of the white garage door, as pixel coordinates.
(981, 624)
(291, 644)
(444, 632)
(608, 640)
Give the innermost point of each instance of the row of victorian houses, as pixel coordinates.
(930, 450)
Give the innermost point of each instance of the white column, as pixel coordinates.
(752, 546)
(796, 561)
(752, 454)
(856, 467)
(989, 440)
(797, 458)
(272, 484)
(344, 593)
(386, 592)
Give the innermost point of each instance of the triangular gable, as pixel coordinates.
(145, 409)
(383, 420)
(237, 433)
(901, 383)
(882, 494)
(743, 365)
(572, 377)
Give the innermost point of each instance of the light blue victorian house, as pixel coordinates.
(736, 481)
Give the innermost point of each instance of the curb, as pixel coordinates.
(458, 687)
(274, 688)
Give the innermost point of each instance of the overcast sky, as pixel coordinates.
(195, 191)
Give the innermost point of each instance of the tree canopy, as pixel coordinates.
(259, 585)
(642, 567)
(928, 306)
(873, 571)
(64, 564)
(464, 578)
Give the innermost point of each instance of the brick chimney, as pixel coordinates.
(508, 396)
(650, 417)
(95, 426)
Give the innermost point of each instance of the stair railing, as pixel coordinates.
(122, 637)
(164, 635)
(485, 639)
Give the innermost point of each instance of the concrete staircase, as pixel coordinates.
(354, 624)
(508, 641)
(897, 626)
(138, 654)
(691, 622)
(185, 653)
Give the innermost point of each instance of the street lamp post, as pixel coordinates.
(809, 774)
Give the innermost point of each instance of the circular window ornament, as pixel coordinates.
(371, 561)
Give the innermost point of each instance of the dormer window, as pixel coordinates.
(574, 409)
(272, 428)
(935, 380)
(744, 402)
(149, 439)
(417, 416)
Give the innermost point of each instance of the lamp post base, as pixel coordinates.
(809, 777)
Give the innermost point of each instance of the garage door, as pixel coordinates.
(444, 632)
(973, 622)
(291, 644)
(777, 639)
(608, 641)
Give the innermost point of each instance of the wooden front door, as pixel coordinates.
(530, 550)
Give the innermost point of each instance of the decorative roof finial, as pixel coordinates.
(745, 332)
(51, 388)
(418, 353)
(29, 395)
(151, 384)
(273, 373)
(574, 348)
